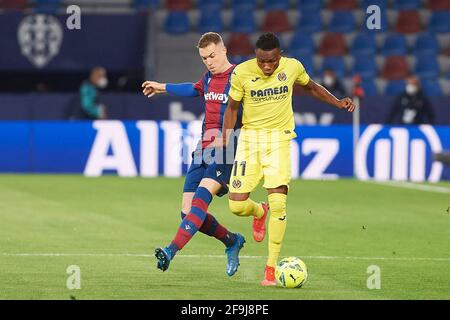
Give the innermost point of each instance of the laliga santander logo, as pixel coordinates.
(404, 152)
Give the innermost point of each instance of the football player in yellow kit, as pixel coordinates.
(264, 86)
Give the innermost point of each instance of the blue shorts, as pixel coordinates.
(203, 166)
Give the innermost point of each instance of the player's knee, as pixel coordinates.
(277, 208)
(237, 207)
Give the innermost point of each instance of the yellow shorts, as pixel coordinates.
(253, 161)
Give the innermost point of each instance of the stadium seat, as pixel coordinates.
(181, 5)
(146, 4)
(427, 66)
(431, 87)
(342, 21)
(310, 6)
(239, 44)
(364, 44)
(337, 64)
(210, 20)
(408, 21)
(210, 4)
(394, 45)
(342, 4)
(276, 5)
(310, 22)
(383, 4)
(302, 44)
(395, 87)
(177, 22)
(306, 60)
(276, 21)
(333, 44)
(365, 66)
(395, 68)
(440, 21)
(447, 51)
(243, 21)
(243, 4)
(47, 6)
(407, 4)
(425, 44)
(437, 5)
(369, 87)
(14, 4)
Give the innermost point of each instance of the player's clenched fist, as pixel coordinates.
(150, 88)
(347, 103)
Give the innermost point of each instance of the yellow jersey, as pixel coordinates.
(267, 100)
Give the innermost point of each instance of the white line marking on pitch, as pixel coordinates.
(410, 185)
(196, 256)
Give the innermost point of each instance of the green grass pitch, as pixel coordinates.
(110, 226)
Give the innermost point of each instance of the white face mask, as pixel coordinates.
(411, 89)
(102, 83)
(328, 81)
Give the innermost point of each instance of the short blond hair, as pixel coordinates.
(207, 38)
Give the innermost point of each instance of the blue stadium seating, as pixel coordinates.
(310, 22)
(310, 6)
(342, 22)
(426, 43)
(177, 22)
(427, 66)
(210, 20)
(308, 62)
(407, 4)
(276, 4)
(243, 4)
(335, 63)
(211, 4)
(394, 45)
(364, 44)
(369, 87)
(440, 22)
(383, 4)
(243, 21)
(394, 87)
(47, 6)
(365, 66)
(146, 4)
(302, 44)
(431, 87)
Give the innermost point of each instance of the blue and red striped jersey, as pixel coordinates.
(214, 89)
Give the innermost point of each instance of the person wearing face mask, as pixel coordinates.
(332, 84)
(412, 106)
(89, 106)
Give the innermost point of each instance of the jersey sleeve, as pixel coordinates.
(199, 85)
(302, 76)
(236, 89)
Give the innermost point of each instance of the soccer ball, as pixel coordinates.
(291, 272)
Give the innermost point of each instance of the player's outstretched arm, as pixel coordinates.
(324, 95)
(229, 119)
(186, 89)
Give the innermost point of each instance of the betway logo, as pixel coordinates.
(212, 96)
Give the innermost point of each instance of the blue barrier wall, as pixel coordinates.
(135, 107)
(150, 148)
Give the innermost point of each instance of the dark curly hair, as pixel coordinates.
(268, 41)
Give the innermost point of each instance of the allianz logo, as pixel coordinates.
(398, 154)
(212, 96)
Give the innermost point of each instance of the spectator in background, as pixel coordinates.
(412, 106)
(332, 83)
(88, 105)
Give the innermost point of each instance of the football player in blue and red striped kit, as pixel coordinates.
(207, 177)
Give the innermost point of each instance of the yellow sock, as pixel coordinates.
(246, 208)
(277, 226)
